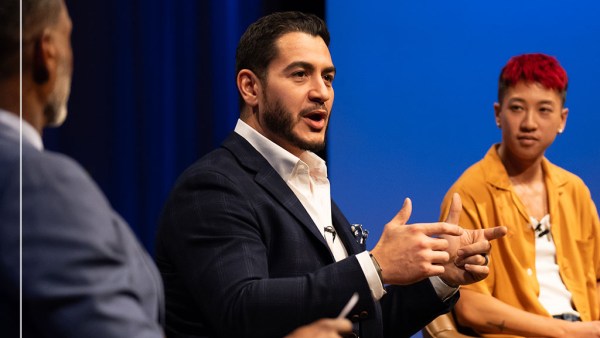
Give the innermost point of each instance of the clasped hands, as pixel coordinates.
(408, 253)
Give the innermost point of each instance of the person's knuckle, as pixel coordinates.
(442, 243)
(422, 247)
(423, 267)
(414, 229)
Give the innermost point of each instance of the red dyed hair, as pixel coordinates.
(541, 68)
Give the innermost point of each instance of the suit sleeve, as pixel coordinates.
(214, 236)
(408, 308)
(75, 276)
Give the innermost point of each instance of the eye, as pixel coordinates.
(328, 78)
(299, 74)
(545, 110)
(515, 108)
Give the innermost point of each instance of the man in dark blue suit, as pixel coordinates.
(83, 272)
(250, 243)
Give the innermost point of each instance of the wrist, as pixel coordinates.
(448, 284)
(563, 329)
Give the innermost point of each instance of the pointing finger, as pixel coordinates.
(432, 229)
(495, 233)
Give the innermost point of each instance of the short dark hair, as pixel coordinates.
(257, 49)
(536, 67)
(37, 15)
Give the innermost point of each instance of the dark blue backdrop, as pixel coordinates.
(153, 89)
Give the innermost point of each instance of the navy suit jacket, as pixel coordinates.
(84, 273)
(241, 257)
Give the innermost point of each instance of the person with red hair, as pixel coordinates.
(543, 279)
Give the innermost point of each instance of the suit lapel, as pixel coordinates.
(270, 180)
(342, 227)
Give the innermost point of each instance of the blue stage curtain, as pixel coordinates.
(153, 90)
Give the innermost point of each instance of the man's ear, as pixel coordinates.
(497, 109)
(564, 113)
(44, 58)
(249, 86)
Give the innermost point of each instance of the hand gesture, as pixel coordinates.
(468, 252)
(410, 253)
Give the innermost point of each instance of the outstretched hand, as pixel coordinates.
(467, 252)
(410, 253)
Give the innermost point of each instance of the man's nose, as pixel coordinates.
(320, 90)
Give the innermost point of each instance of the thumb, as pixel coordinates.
(455, 209)
(404, 214)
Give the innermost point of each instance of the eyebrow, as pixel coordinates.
(308, 66)
(546, 102)
(518, 99)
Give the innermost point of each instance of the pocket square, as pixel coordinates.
(360, 234)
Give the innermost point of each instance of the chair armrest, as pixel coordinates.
(442, 327)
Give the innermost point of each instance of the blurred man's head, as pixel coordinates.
(47, 59)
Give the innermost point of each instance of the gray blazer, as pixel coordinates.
(84, 272)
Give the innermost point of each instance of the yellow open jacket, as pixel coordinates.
(489, 200)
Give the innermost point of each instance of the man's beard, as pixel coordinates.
(281, 122)
(56, 109)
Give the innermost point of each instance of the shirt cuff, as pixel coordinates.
(443, 290)
(370, 272)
